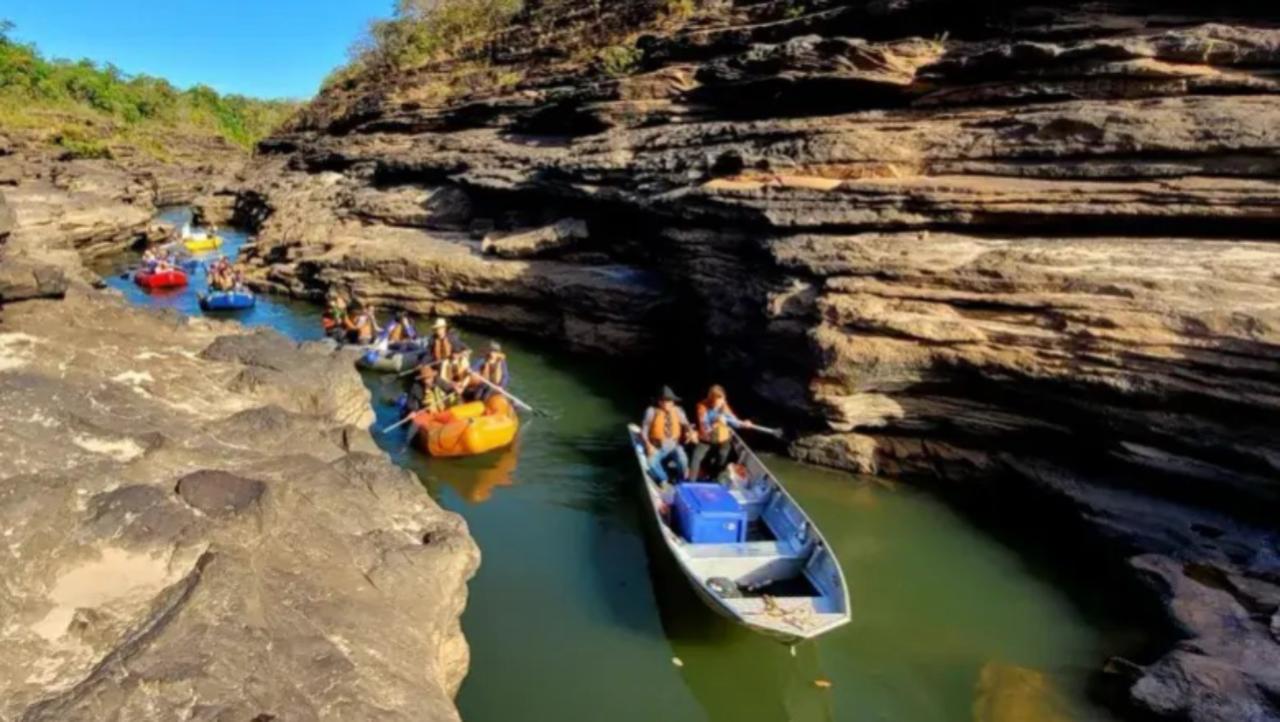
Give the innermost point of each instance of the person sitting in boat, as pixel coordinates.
(361, 325)
(335, 316)
(492, 368)
(457, 371)
(220, 276)
(443, 343)
(429, 392)
(238, 275)
(150, 260)
(716, 421)
(401, 330)
(666, 428)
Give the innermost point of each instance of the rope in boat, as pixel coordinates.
(800, 617)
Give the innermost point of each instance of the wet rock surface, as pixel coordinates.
(955, 242)
(179, 544)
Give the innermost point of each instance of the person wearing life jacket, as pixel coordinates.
(429, 393)
(665, 429)
(457, 371)
(443, 344)
(716, 422)
(491, 368)
(361, 325)
(335, 316)
(401, 330)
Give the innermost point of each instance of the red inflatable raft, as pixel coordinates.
(160, 279)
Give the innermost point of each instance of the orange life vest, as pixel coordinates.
(362, 325)
(665, 426)
(493, 370)
(441, 347)
(719, 431)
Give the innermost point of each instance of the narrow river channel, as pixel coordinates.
(573, 618)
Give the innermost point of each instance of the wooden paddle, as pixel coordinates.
(409, 417)
(776, 433)
(508, 394)
(398, 424)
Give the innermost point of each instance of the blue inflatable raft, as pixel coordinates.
(227, 301)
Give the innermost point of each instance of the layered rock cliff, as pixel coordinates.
(196, 521)
(963, 242)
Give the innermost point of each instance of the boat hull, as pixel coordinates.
(392, 361)
(228, 301)
(467, 430)
(798, 553)
(160, 279)
(202, 244)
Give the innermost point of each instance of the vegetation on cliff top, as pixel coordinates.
(89, 109)
(468, 34)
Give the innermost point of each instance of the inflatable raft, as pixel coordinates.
(205, 242)
(172, 278)
(397, 358)
(467, 430)
(227, 301)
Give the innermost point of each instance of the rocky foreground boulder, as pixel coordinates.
(197, 525)
(1030, 245)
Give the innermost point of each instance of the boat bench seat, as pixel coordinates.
(745, 549)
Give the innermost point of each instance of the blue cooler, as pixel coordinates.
(709, 514)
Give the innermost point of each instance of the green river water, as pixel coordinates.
(573, 617)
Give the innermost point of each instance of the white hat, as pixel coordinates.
(440, 323)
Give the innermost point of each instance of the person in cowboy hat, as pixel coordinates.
(430, 393)
(665, 430)
(444, 345)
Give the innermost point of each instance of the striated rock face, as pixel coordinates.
(1028, 243)
(198, 526)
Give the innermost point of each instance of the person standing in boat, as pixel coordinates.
(492, 368)
(716, 422)
(666, 428)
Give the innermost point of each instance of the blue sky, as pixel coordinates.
(263, 48)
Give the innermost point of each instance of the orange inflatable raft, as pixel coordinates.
(468, 429)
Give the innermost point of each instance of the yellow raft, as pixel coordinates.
(468, 429)
(206, 242)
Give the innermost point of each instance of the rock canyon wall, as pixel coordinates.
(196, 522)
(966, 242)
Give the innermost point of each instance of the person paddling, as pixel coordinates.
(428, 393)
(492, 368)
(715, 423)
(665, 429)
